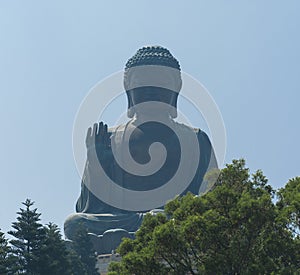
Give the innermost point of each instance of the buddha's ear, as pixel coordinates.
(173, 109)
(173, 113)
(130, 110)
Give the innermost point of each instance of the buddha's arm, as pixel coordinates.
(207, 150)
(208, 161)
(213, 164)
(97, 139)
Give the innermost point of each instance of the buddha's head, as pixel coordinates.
(152, 74)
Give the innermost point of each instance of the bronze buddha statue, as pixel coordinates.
(148, 124)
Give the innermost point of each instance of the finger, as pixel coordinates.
(88, 136)
(89, 132)
(100, 133)
(105, 135)
(95, 128)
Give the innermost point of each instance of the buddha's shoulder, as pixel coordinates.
(119, 128)
(184, 127)
(202, 136)
(112, 129)
(177, 126)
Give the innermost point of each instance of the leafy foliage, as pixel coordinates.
(5, 256)
(38, 249)
(54, 258)
(83, 248)
(289, 204)
(242, 226)
(234, 229)
(29, 235)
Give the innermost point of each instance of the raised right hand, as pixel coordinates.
(97, 137)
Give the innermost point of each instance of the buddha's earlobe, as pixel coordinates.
(173, 112)
(173, 107)
(130, 110)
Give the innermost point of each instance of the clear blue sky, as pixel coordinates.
(247, 54)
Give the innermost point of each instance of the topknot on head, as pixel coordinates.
(153, 55)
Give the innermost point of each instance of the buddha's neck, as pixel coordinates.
(159, 117)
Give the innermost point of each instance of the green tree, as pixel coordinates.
(233, 229)
(28, 239)
(6, 259)
(40, 250)
(55, 258)
(289, 204)
(77, 267)
(83, 250)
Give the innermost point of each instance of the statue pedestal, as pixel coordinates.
(104, 260)
(110, 240)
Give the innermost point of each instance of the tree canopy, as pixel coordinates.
(241, 226)
(234, 229)
(29, 235)
(40, 250)
(5, 256)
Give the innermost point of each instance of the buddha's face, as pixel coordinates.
(144, 94)
(153, 94)
(155, 83)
